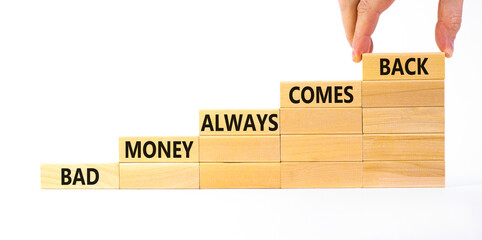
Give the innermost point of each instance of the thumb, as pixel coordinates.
(448, 24)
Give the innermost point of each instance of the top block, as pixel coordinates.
(320, 94)
(238, 122)
(404, 66)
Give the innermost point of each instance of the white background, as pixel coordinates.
(76, 75)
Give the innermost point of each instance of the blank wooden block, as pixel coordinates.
(239, 149)
(403, 66)
(321, 120)
(321, 175)
(389, 147)
(159, 175)
(238, 122)
(317, 148)
(240, 175)
(321, 94)
(80, 176)
(404, 120)
(404, 174)
(403, 93)
(158, 149)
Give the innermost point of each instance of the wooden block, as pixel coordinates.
(238, 122)
(321, 94)
(80, 176)
(403, 93)
(159, 175)
(239, 149)
(321, 175)
(240, 175)
(321, 120)
(321, 148)
(389, 147)
(158, 149)
(404, 174)
(403, 66)
(404, 120)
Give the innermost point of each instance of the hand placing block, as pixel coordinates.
(403, 66)
(403, 120)
(240, 175)
(239, 149)
(158, 149)
(321, 175)
(321, 148)
(159, 175)
(80, 176)
(320, 94)
(238, 122)
(399, 147)
(404, 174)
(321, 120)
(428, 93)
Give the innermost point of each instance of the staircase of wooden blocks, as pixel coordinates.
(384, 131)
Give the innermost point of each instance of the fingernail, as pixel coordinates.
(449, 51)
(356, 57)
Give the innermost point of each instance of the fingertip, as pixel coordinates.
(360, 46)
(449, 51)
(443, 40)
(356, 58)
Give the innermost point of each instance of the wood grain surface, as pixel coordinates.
(239, 149)
(159, 175)
(240, 175)
(321, 175)
(321, 148)
(404, 120)
(321, 120)
(404, 174)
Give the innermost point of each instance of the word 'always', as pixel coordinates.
(240, 122)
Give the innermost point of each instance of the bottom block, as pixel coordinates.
(404, 174)
(79, 176)
(240, 175)
(159, 175)
(321, 175)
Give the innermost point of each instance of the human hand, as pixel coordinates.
(360, 19)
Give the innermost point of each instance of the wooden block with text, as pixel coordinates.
(320, 94)
(403, 66)
(404, 174)
(80, 176)
(404, 120)
(158, 149)
(240, 175)
(238, 122)
(317, 148)
(427, 93)
(159, 175)
(321, 174)
(400, 147)
(239, 149)
(321, 120)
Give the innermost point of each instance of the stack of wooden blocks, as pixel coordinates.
(384, 131)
